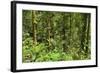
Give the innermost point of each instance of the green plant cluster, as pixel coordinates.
(40, 53)
(55, 36)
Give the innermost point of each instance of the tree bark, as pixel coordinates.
(88, 30)
(34, 27)
(70, 29)
(83, 36)
(63, 33)
(48, 28)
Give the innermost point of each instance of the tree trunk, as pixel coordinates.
(34, 27)
(48, 23)
(63, 33)
(88, 30)
(70, 30)
(83, 36)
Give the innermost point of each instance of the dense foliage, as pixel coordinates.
(55, 36)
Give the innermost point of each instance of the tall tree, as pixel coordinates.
(63, 30)
(48, 27)
(88, 30)
(70, 29)
(34, 23)
(83, 33)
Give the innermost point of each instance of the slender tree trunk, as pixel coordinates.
(34, 27)
(48, 23)
(83, 36)
(63, 38)
(70, 29)
(63, 33)
(88, 30)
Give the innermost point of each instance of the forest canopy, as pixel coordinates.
(55, 36)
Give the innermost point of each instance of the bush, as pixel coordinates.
(40, 52)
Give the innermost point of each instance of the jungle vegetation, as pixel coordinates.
(55, 36)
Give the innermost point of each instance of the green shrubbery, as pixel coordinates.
(55, 36)
(40, 53)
